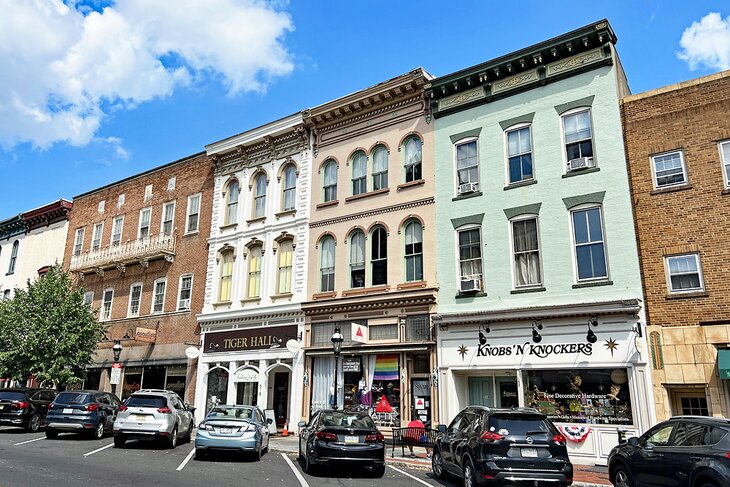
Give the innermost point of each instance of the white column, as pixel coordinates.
(263, 400)
(231, 399)
(201, 390)
(296, 391)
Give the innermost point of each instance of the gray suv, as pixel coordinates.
(154, 414)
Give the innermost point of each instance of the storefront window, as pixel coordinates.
(132, 381)
(354, 382)
(93, 379)
(595, 396)
(217, 388)
(176, 379)
(385, 391)
(247, 393)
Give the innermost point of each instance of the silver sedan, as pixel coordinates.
(234, 428)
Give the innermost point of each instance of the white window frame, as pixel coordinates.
(279, 268)
(89, 298)
(154, 295)
(79, 241)
(684, 169)
(249, 271)
(414, 255)
(506, 133)
(364, 176)
(221, 276)
(171, 183)
(466, 140)
(180, 290)
(227, 218)
(467, 228)
(293, 188)
(564, 148)
(406, 165)
(139, 224)
(517, 219)
(120, 227)
(188, 214)
(668, 274)
(147, 193)
(256, 195)
(162, 219)
(97, 239)
(380, 176)
(321, 268)
(102, 317)
(725, 163)
(130, 313)
(576, 274)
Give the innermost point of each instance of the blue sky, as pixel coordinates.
(96, 91)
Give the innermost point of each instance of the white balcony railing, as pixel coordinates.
(141, 250)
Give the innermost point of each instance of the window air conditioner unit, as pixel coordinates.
(470, 285)
(580, 164)
(467, 188)
(184, 304)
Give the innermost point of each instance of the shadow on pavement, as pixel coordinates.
(227, 457)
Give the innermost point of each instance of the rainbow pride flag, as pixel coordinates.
(386, 367)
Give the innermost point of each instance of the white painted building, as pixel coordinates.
(251, 325)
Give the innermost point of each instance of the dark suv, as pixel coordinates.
(25, 407)
(684, 451)
(488, 446)
(89, 412)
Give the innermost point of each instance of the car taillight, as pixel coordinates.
(559, 439)
(122, 408)
(321, 435)
(378, 438)
(52, 405)
(92, 407)
(727, 455)
(491, 436)
(19, 405)
(164, 410)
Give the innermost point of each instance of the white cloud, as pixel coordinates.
(63, 65)
(707, 43)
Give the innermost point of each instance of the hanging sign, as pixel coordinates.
(116, 375)
(147, 335)
(359, 333)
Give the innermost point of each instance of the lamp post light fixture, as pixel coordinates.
(337, 340)
(117, 349)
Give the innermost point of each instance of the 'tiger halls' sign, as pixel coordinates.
(249, 338)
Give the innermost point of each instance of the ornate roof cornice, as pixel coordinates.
(48, 214)
(373, 212)
(395, 299)
(12, 226)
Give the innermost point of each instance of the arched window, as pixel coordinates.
(259, 196)
(413, 151)
(13, 257)
(357, 259)
(327, 265)
(254, 271)
(286, 254)
(379, 256)
(226, 276)
(330, 181)
(232, 202)
(359, 173)
(414, 251)
(217, 388)
(380, 168)
(289, 188)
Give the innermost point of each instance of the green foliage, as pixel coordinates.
(47, 330)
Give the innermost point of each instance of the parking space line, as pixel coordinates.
(99, 449)
(31, 441)
(296, 471)
(411, 476)
(187, 459)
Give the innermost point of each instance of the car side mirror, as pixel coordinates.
(301, 424)
(442, 428)
(633, 441)
(269, 420)
(192, 410)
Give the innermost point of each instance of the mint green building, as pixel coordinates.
(540, 298)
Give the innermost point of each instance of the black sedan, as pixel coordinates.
(25, 407)
(685, 451)
(341, 437)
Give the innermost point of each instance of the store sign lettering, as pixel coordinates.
(537, 350)
(251, 342)
(274, 337)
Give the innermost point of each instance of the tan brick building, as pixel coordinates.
(678, 150)
(138, 248)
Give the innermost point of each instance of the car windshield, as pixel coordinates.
(73, 398)
(146, 402)
(12, 395)
(518, 424)
(223, 412)
(348, 420)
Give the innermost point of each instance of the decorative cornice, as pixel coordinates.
(48, 214)
(392, 299)
(373, 212)
(12, 227)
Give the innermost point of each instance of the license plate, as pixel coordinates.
(68, 411)
(529, 452)
(352, 439)
(138, 417)
(226, 431)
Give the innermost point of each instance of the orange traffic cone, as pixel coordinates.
(286, 429)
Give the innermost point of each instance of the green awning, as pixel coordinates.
(723, 363)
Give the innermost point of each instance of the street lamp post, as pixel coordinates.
(337, 340)
(117, 350)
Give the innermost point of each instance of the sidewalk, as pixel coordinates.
(583, 475)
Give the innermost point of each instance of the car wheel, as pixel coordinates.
(119, 441)
(469, 474)
(172, 439)
(98, 431)
(308, 467)
(437, 465)
(35, 423)
(258, 453)
(266, 448)
(622, 478)
(378, 471)
(51, 434)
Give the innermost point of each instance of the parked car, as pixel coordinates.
(154, 414)
(89, 412)
(341, 437)
(25, 407)
(487, 446)
(684, 451)
(235, 428)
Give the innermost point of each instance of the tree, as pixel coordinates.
(46, 330)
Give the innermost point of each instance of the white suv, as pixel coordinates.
(154, 414)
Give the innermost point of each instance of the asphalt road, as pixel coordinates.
(31, 460)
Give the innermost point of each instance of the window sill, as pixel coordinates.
(228, 225)
(367, 195)
(528, 290)
(417, 182)
(725, 191)
(190, 234)
(411, 285)
(519, 184)
(470, 295)
(581, 171)
(466, 196)
(274, 297)
(688, 295)
(9, 273)
(251, 300)
(285, 213)
(365, 290)
(328, 203)
(671, 189)
(221, 303)
(581, 285)
(331, 294)
(256, 220)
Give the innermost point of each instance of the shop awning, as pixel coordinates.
(723, 363)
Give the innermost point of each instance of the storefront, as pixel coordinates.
(588, 375)
(258, 366)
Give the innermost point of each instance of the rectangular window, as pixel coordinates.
(725, 157)
(88, 297)
(135, 296)
(254, 273)
(171, 183)
(669, 169)
(96, 236)
(120, 200)
(191, 224)
(186, 288)
(519, 154)
(102, 206)
(147, 193)
(117, 225)
(467, 166)
(13, 257)
(286, 254)
(526, 248)
(168, 216)
(590, 250)
(158, 301)
(79, 241)
(106, 305)
(145, 215)
(470, 259)
(578, 135)
(418, 328)
(359, 174)
(224, 292)
(684, 273)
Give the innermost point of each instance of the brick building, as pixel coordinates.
(137, 246)
(678, 150)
